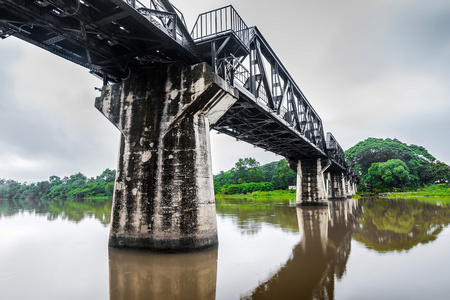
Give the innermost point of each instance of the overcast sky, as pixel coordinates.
(370, 68)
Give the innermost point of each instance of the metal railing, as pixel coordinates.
(220, 21)
(156, 12)
(232, 70)
(154, 5)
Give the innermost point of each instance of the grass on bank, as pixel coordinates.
(433, 193)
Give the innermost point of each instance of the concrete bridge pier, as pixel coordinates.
(164, 192)
(337, 185)
(311, 188)
(348, 186)
(352, 186)
(355, 186)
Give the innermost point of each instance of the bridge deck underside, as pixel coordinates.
(107, 36)
(336, 167)
(250, 122)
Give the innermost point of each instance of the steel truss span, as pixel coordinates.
(110, 37)
(272, 111)
(114, 38)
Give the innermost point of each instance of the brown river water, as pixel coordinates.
(268, 249)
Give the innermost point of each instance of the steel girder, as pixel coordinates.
(336, 154)
(272, 112)
(110, 37)
(249, 120)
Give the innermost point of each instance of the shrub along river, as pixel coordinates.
(268, 249)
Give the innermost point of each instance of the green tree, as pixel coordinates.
(75, 186)
(373, 150)
(109, 188)
(247, 170)
(390, 174)
(440, 172)
(284, 176)
(270, 170)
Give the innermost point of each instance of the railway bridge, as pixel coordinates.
(165, 88)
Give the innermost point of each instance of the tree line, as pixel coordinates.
(388, 164)
(381, 165)
(70, 187)
(246, 177)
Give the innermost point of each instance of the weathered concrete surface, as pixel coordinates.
(337, 186)
(347, 186)
(351, 188)
(311, 188)
(164, 193)
(143, 275)
(354, 186)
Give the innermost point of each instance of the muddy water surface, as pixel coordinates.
(269, 249)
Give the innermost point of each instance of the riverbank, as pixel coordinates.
(279, 194)
(284, 194)
(433, 193)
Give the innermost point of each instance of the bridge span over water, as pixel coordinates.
(164, 89)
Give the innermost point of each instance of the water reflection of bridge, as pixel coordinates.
(319, 258)
(321, 254)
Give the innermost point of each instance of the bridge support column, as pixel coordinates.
(164, 192)
(344, 185)
(329, 185)
(311, 188)
(337, 185)
(349, 183)
(355, 186)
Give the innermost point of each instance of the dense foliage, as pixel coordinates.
(248, 176)
(392, 173)
(384, 164)
(244, 188)
(73, 187)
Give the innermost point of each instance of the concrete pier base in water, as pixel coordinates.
(164, 192)
(311, 188)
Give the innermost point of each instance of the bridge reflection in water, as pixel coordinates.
(142, 275)
(319, 257)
